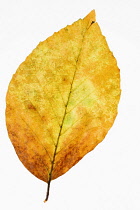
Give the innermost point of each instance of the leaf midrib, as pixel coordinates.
(66, 106)
(63, 119)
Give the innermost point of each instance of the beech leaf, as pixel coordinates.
(63, 99)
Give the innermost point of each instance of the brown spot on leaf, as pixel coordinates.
(31, 106)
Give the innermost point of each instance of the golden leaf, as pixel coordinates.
(63, 99)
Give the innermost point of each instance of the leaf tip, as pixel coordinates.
(91, 17)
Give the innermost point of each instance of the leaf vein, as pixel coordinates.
(72, 141)
(36, 137)
(42, 120)
(79, 102)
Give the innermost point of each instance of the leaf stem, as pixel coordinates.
(48, 190)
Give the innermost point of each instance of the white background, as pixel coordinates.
(107, 178)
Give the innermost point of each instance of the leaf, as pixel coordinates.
(63, 99)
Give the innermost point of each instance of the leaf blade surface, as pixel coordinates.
(63, 99)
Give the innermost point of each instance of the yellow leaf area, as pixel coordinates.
(63, 99)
